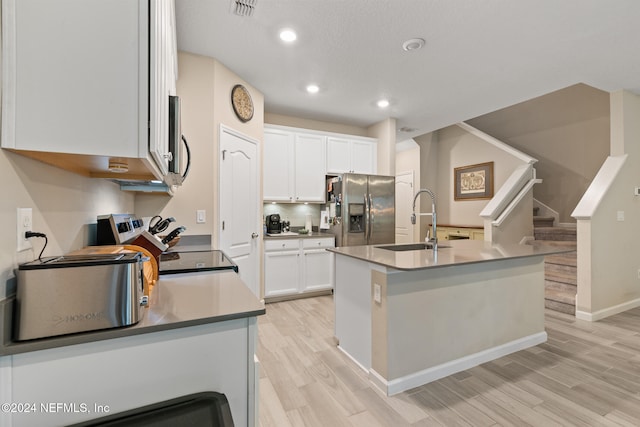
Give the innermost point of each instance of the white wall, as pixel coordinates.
(65, 208)
(204, 86)
(297, 122)
(428, 178)
(608, 249)
(409, 161)
(385, 133)
(455, 148)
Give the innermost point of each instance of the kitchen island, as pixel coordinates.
(409, 317)
(198, 334)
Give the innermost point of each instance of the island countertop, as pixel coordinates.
(177, 301)
(449, 253)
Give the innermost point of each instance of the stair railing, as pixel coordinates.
(512, 191)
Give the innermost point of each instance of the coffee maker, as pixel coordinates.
(273, 224)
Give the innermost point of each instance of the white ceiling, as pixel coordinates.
(480, 55)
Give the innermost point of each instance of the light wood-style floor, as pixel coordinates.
(586, 374)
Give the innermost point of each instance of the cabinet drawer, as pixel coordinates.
(278, 245)
(318, 243)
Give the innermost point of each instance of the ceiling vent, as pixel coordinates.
(243, 7)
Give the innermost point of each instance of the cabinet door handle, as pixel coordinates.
(254, 235)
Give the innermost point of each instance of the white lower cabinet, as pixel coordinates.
(296, 266)
(101, 378)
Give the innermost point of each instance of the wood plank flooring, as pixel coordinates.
(586, 374)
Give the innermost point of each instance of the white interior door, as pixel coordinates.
(404, 202)
(240, 204)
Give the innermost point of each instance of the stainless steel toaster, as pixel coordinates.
(69, 294)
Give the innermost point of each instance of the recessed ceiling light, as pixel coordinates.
(288, 35)
(413, 44)
(313, 88)
(383, 103)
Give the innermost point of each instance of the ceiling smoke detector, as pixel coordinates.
(243, 7)
(407, 129)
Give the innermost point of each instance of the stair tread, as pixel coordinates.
(569, 279)
(560, 262)
(560, 296)
(557, 230)
(558, 286)
(561, 307)
(567, 243)
(560, 275)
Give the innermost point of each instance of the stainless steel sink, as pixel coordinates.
(410, 247)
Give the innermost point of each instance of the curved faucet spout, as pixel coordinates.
(434, 237)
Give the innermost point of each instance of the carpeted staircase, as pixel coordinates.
(559, 270)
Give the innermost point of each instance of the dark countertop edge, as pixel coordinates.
(557, 250)
(9, 348)
(429, 267)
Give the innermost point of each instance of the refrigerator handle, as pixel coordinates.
(366, 219)
(370, 203)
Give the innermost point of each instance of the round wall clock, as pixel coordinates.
(242, 103)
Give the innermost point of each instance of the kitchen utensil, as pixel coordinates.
(173, 234)
(78, 293)
(160, 225)
(151, 243)
(273, 224)
(150, 267)
(308, 223)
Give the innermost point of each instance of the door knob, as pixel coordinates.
(254, 235)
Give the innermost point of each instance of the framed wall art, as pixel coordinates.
(474, 182)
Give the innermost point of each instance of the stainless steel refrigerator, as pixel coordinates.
(367, 210)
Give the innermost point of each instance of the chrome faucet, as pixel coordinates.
(434, 237)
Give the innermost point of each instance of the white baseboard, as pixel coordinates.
(353, 360)
(606, 312)
(434, 373)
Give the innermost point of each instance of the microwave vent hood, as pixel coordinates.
(142, 186)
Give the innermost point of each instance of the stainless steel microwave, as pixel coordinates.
(178, 145)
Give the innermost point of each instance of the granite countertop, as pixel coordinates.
(449, 253)
(176, 301)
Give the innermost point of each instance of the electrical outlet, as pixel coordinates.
(201, 216)
(376, 293)
(620, 215)
(25, 223)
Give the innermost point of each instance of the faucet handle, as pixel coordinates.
(413, 218)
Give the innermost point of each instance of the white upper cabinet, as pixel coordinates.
(348, 154)
(294, 166)
(310, 152)
(86, 81)
(278, 180)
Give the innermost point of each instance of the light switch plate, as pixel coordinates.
(201, 216)
(620, 215)
(376, 293)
